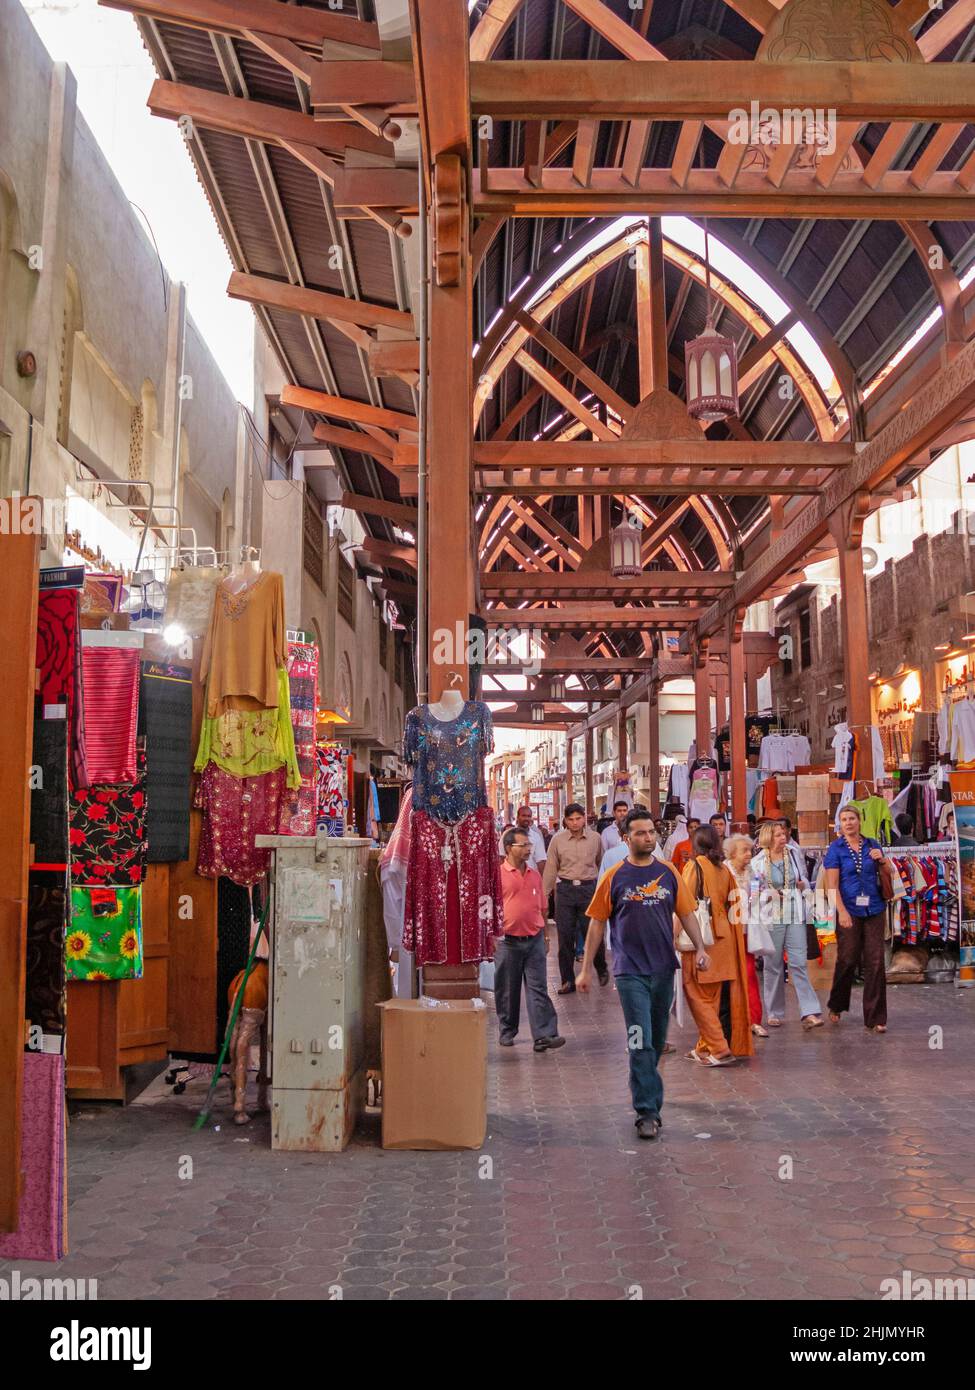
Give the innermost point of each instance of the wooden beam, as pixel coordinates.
(652, 483)
(491, 28)
(319, 304)
(848, 196)
(584, 154)
(283, 51)
(563, 395)
(351, 439)
(378, 506)
(651, 312)
(631, 619)
(588, 583)
(534, 142)
(614, 30)
(614, 90)
(571, 665)
(685, 150)
(376, 187)
(300, 24)
(350, 82)
(258, 120)
(342, 409)
(388, 553)
(645, 454)
(391, 356)
(563, 354)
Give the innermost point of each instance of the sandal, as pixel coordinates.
(775, 1023)
(728, 1060)
(759, 1031)
(699, 1057)
(879, 1028)
(812, 1021)
(834, 1018)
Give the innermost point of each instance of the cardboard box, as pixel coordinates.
(812, 793)
(434, 1074)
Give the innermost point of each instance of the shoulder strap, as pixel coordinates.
(700, 878)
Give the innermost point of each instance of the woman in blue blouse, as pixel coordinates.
(852, 875)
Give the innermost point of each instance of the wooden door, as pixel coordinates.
(19, 559)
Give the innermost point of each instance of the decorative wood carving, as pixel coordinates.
(449, 211)
(838, 31)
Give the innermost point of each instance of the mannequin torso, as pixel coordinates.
(449, 706)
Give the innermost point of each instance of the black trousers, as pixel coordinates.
(861, 944)
(570, 915)
(517, 960)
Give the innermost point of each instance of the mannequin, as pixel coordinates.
(448, 707)
(245, 573)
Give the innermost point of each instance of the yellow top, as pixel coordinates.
(249, 742)
(245, 645)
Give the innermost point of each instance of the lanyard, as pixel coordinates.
(857, 857)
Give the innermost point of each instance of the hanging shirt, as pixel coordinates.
(245, 645)
(843, 748)
(875, 818)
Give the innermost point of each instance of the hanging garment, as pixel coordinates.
(166, 720)
(111, 680)
(236, 809)
(189, 598)
(303, 685)
(59, 681)
(332, 762)
(679, 784)
(108, 832)
(47, 922)
(466, 853)
(448, 758)
(250, 742)
(104, 939)
(245, 646)
(844, 747)
(49, 792)
(40, 1232)
(875, 818)
(703, 794)
(783, 752)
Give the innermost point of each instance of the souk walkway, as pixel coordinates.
(880, 1132)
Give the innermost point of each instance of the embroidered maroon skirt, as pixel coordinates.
(453, 880)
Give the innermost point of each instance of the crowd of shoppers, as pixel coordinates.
(726, 919)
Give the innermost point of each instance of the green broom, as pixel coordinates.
(204, 1114)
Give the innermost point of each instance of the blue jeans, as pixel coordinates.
(646, 1001)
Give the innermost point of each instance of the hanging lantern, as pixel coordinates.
(538, 714)
(625, 548)
(556, 687)
(711, 364)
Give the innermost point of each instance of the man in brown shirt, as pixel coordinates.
(572, 867)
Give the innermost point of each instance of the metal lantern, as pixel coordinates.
(556, 687)
(711, 364)
(625, 548)
(538, 714)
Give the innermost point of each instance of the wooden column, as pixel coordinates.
(19, 555)
(751, 684)
(504, 792)
(589, 760)
(651, 314)
(624, 752)
(569, 788)
(441, 66)
(846, 527)
(702, 700)
(721, 686)
(736, 721)
(653, 756)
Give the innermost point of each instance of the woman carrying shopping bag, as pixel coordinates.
(738, 852)
(717, 997)
(778, 886)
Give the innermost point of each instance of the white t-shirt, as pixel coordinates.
(611, 837)
(538, 851)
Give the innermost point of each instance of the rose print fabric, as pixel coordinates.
(104, 940)
(107, 832)
(59, 679)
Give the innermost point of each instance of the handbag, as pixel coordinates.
(703, 914)
(885, 880)
(813, 948)
(759, 940)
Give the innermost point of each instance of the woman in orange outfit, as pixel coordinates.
(717, 997)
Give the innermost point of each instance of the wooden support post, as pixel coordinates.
(736, 721)
(651, 311)
(702, 700)
(846, 527)
(589, 760)
(568, 771)
(622, 742)
(653, 755)
(751, 684)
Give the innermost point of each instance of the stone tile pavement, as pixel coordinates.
(877, 1132)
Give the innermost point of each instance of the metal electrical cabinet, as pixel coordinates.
(318, 953)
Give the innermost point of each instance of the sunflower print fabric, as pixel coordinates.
(104, 940)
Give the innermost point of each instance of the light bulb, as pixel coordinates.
(174, 635)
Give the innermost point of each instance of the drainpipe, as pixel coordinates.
(422, 672)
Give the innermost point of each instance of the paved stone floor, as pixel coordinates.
(879, 1133)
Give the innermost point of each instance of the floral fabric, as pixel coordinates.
(448, 760)
(104, 940)
(235, 810)
(250, 742)
(107, 832)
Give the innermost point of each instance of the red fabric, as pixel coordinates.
(754, 993)
(235, 810)
(58, 661)
(442, 903)
(111, 678)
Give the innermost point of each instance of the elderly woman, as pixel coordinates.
(738, 851)
(778, 885)
(852, 870)
(717, 997)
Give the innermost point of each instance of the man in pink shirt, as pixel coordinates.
(520, 953)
